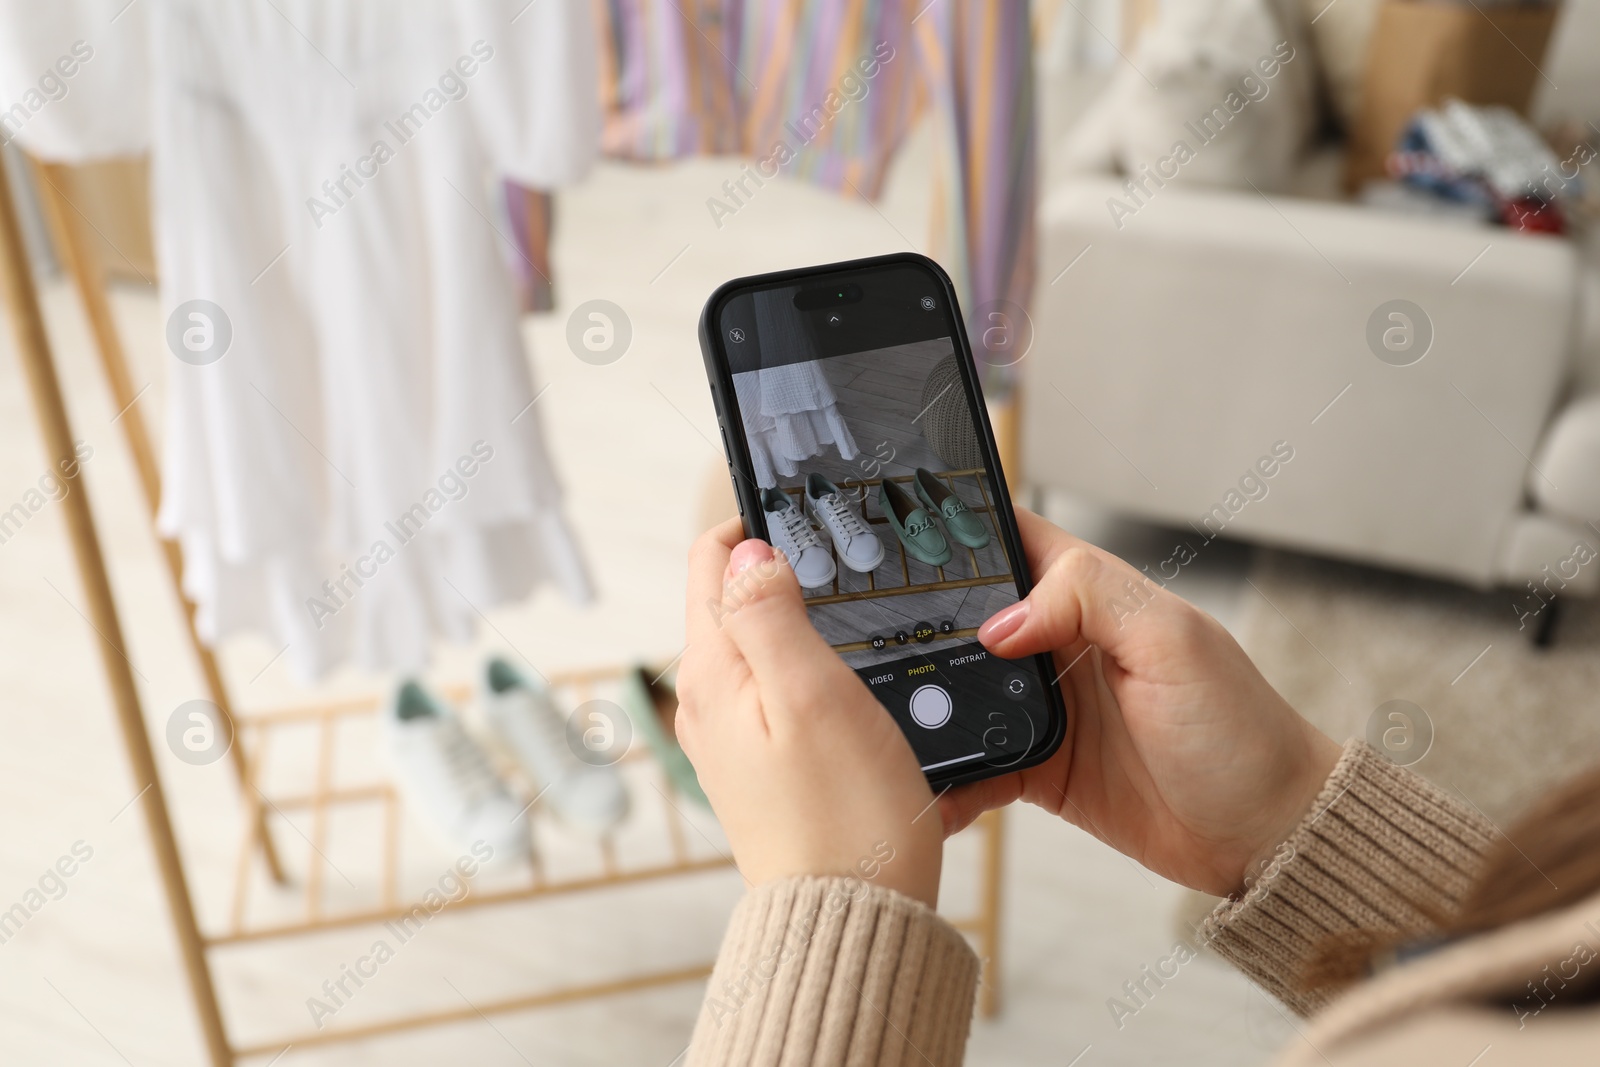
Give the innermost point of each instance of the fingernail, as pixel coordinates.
(1003, 624)
(747, 554)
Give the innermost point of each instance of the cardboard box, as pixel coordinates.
(1425, 51)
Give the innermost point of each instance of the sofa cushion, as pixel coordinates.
(1567, 481)
(1231, 81)
(1551, 553)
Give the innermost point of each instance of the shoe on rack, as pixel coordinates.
(653, 706)
(525, 720)
(961, 521)
(913, 525)
(856, 546)
(447, 779)
(793, 536)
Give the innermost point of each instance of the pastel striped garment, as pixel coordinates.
(827, 90)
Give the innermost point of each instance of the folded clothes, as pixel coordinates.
(1485, 156)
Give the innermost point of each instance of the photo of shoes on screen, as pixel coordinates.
(872, 482)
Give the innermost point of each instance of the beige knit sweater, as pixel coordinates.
(833, 971)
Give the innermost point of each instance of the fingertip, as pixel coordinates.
(747, 554)
(1002, 624)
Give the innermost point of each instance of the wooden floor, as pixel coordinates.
(880, 394)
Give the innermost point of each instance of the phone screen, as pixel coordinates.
(866, 453)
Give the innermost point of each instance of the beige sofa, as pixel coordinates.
(1189, 339)
(1183, 346)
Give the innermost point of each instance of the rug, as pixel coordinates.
(1508, 720)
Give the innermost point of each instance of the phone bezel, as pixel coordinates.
(740, 466)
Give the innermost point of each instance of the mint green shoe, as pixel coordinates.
(652, 707)
(913, 525)
(963, 524)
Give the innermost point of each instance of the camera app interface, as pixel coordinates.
(873, 483)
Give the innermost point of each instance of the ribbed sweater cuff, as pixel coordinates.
(1381, 850)
(835, 971)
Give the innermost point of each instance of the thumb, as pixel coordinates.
(764, 613)
(1085, 596)
(958, 807)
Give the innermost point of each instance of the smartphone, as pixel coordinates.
(860, 446)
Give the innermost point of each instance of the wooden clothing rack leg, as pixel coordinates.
(33, 348)
(89, 277)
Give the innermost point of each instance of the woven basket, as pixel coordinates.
(947, 422)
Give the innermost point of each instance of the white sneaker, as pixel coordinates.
(793, 536)
(447, 779)
(857, 546)
(519, 711)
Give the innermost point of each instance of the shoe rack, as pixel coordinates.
(861, 489)
(382, 899)
(256, 733)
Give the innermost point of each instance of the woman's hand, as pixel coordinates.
(806, 771)
(1178, 753)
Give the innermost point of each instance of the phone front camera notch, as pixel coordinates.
(824, 299)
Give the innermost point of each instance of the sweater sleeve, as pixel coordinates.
(1380, 851)
(836, 971)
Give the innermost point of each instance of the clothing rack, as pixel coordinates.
(254, 731)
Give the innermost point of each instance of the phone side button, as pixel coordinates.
(732, 475)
